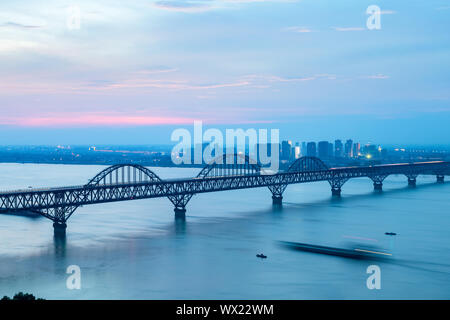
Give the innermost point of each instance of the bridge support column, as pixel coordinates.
(377, 185)
(180, 213)
(440, 178)
(277, 194)
(411, 179)
(277, 200)
(336, 191)
(378, 181)
(412, 182)
(59, 229)
(336, 185)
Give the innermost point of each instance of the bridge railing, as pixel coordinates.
(58, 203)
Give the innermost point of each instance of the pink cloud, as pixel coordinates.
(177, 85)
(96, 119)
(92, 120)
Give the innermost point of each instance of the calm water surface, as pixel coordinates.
(136, 249)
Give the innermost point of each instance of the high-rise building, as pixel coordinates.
(286, 149)
(303, 149)
(371, 151)
(349, 148)
(311, 149)
(297, 153)
(356, 149)
(330, 150)
(323, 149)
(338, 149)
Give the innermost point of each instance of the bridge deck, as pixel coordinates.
(336, 170)
(117, 184)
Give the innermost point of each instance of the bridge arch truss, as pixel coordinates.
(130, 182)
(226, 165)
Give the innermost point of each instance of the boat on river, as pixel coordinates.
(354, 253)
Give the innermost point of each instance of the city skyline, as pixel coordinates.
(132, 73)
(352, 153)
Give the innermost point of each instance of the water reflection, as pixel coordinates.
(180, 226)
(59, 241)
(276, 207)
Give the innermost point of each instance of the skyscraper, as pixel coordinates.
(356, 149)
(349, 148)
(323, 149)
(311, 149)
(338, 149)
(330, 150)
(297, 153)
(371, 151)
(286, 149)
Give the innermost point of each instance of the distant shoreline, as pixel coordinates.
(104, 164)
(27, 214)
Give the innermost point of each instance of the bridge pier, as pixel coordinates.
(59, 229)
(440, 178)
(378, 186)
(378, 181)
(277, 200)
(336, 185)
(411, 179)
(336, 191)
(180, 213)
(277, 194)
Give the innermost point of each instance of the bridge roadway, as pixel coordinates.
(133, 182)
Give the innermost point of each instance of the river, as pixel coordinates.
(137, 250)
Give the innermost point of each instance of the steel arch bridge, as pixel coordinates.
(125, 182)
(116, 174)
(226, 165)
(304, 164)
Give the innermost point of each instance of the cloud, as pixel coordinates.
(183, 6)
(20, 25)
(7, 45)
(298, 29)
(156, 70)
(388, 12)
(196, 6)
(171, 84)
(376, 76)
(124, 119)
(252, 81)
(281, 79)
(443, 8)
(92, 119)
(249, 1)
(259, 80)
(343, 29)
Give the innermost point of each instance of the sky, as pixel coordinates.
(131, 72)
